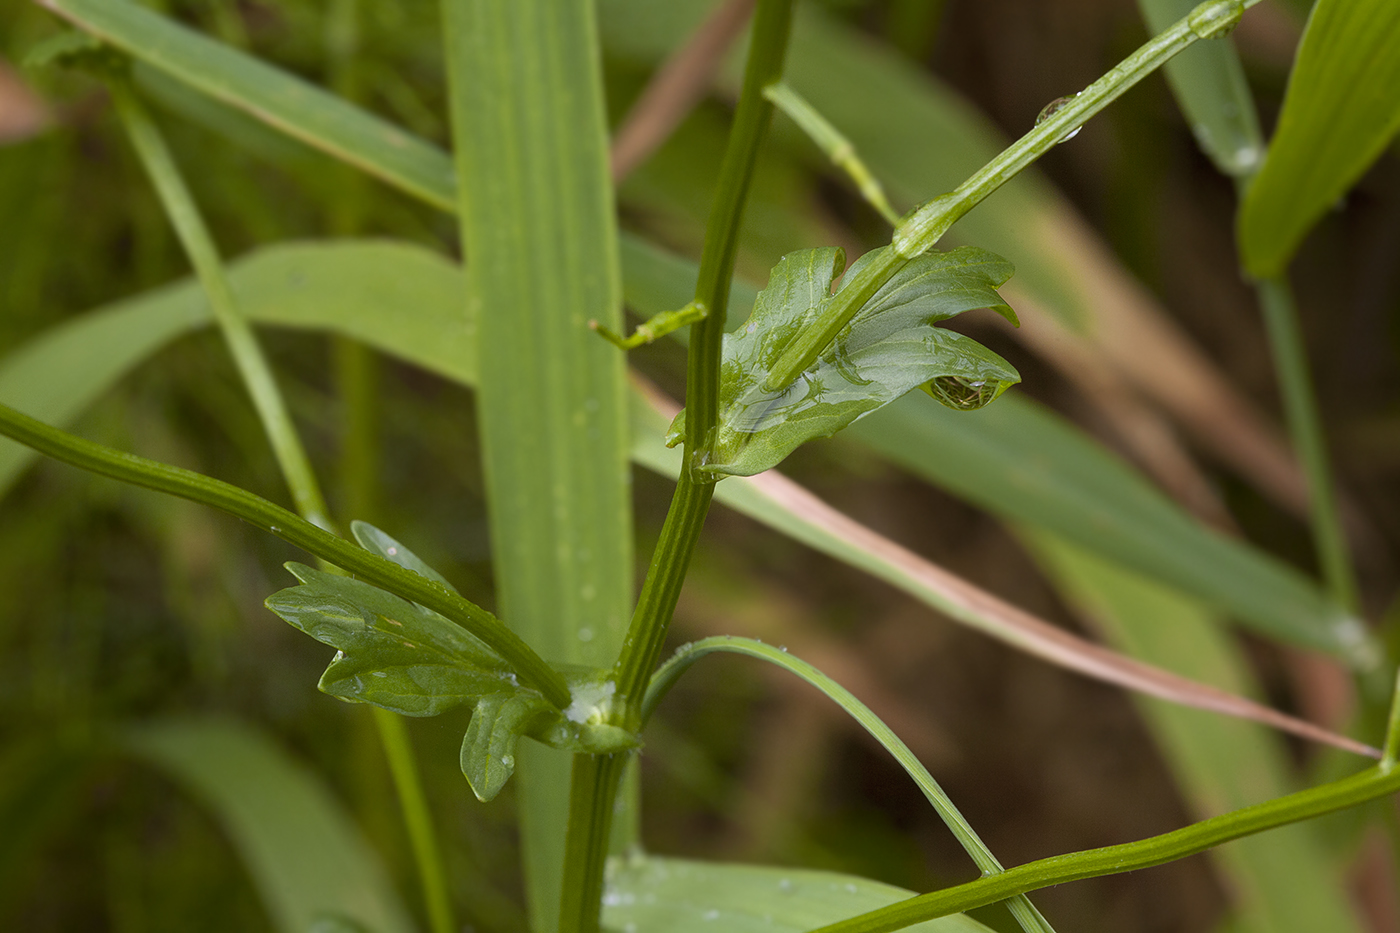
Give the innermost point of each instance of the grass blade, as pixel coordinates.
(1341, 108)
(1283, 883)
(538, 223)
(666, 676)
(1209, 84)
(682, 896)
(284, 101)
(307, 858)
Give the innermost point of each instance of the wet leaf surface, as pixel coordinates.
(893, 345)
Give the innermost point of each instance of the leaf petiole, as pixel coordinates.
(658, 325)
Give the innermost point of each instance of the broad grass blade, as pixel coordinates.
(304, 853)
(539, 229)
(1282, 882)
(1341, 109)
(682, 896)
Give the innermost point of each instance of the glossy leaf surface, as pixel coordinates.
(682, 896)
(402, 657)
(390, 652)
(891, 346)
(1341, 108)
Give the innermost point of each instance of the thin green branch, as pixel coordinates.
(242, 343)
(922, 228)
(840, 150)
(670, 672)
(240, 503)
(416, 816)
(1370, 784)
(1305, 429)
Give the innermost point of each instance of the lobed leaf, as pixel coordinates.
(890, 347)
(400, 656)
(390, 652)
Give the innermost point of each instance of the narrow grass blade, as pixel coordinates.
(647, 892)
(306, 857)
(538, 225)
(1209, 84)
(1024, 463)
(286, 102)
(666, 676)
(1285, 882)
(349, 289)
(1341, 109)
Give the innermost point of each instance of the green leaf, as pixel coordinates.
(890, 347)
(402, 657)
(341, 288)
(390, 652)
(682, 896)
(372, 539)
(1283, 882)
(1341, 108)
(1208, 82)
(279, 98)
(1024, 463)
(488, 748)
(307, 858)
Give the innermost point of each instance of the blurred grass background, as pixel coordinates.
(117, 605)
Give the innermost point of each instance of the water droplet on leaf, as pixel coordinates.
(964, 394)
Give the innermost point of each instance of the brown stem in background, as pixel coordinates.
(677, 87)
(22, 112)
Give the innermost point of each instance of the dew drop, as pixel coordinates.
(585, 634)
(508, 761)
(391, 551)
(1217, 19)
(1050, 109)
(710, 915)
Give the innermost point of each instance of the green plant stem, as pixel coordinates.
(593, 796)
(588, 831)
(240, 503)
(831, 141)
(669, 673)
(399, 752)
(923, 227)
(242, 343)
(1373, 783)
(1305, 428)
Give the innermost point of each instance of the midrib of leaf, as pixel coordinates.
(538, 227)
